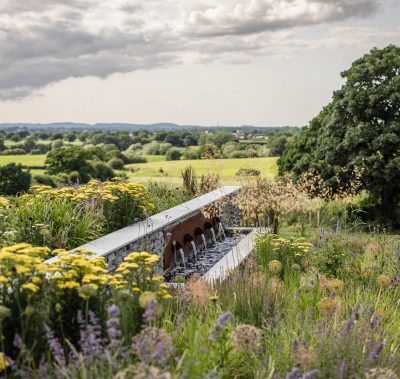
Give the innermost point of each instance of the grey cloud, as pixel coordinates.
(45, 41)
(258, 16)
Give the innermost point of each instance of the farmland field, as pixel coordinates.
(25, 160)
(226, 168)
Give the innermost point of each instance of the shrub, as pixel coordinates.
(46, 180)
(272, 250)
(248, 172)
(134, 158)
(173, 154)
(116, 164)
(191, 153)
(14, 151)
(55, 222)
(102, 171)
(13, 179)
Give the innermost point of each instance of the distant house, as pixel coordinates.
(239, 135)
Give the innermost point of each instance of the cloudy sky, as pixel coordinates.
(209, 62)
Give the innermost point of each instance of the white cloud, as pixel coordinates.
(45, 41)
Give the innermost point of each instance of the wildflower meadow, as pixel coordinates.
(309, 302)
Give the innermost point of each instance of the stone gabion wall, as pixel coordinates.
(152, 242)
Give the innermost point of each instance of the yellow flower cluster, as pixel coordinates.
(3, 362)
(23, 264)
(137, 273)
(95, 190)
(3, 201)
(298, 246)
(78, 271)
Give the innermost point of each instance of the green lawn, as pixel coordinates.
(25, 160)
(226, 168)
(154, 158)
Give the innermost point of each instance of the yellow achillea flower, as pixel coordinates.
(4, 363)
(31, 287)
(4, 201)
(145, 298)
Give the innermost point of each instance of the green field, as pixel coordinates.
(25, 160)
(226, 168)
(154, 158)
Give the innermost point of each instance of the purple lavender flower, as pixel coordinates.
(310, 374)
(153, 346)
(353, 318)
(322, 233)
(90, 336)
(341, 369)
(150, 313)
(293, 374)
(220, 325)
(113, 327)
(55, 346)
(374, 355)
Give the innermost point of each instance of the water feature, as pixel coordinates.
(194, 250)
(205, 259)
(182, 258)
(214, 238)
(221, 230)
(203, 238)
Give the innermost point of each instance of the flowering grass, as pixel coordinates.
(70, 216)
(322, 307)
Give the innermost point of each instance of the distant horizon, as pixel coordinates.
(145, 124)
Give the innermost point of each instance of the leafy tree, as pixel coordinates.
(174, 139)
(69, 159)
(190, 140)
(277, 143)
(221, 138)
(57, 136)
(116, 163)
(173, 154)
(2, 145)
(29, 144)
(102, 171)
(71, 137)
(356, 138)
(13, 179)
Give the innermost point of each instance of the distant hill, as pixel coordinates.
(134, 127)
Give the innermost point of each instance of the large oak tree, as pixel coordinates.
(356, 138)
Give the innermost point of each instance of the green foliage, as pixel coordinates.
(69, 159)
(173, 154)
(289, 253)
(116, 163)
(277, 143)
(248, 172)
(102, 171)
(13, 179)
(46, 180)
(354, 142)
(165, 196)
(58, 223)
